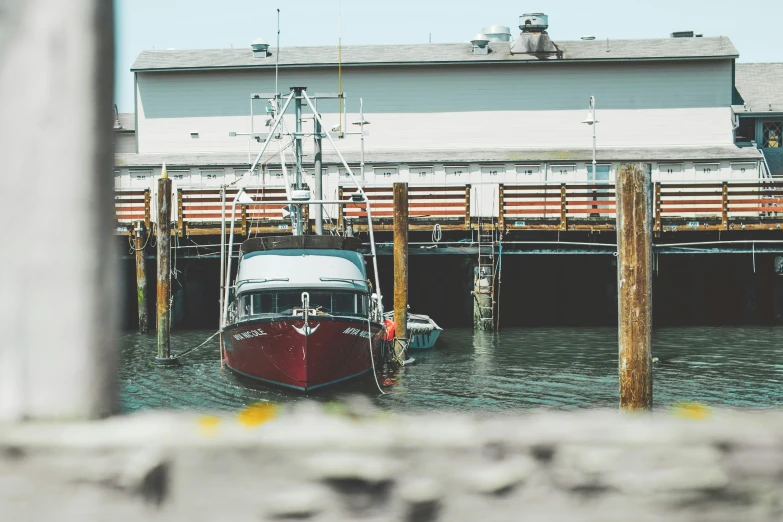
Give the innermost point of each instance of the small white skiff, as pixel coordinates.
(422, 331)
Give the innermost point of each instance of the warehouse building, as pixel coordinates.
(497, 109)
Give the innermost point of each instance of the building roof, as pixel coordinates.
(658, 154)
(440, 53)
(761, 86)
(125, 122)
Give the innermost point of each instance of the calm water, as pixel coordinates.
(562, 368)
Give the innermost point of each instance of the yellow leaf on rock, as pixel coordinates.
(208, 425)
(691, 410)
(257, 414)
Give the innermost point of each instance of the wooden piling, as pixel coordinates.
(163, 238)
(141, 278)
(400, 264)
(634, 278)
(778, 290)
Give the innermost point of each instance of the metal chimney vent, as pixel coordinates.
(533, 39)
(497, 33)
(260, 48)
(480, 44)
(533, 23)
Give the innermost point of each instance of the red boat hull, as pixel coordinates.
(285, 352)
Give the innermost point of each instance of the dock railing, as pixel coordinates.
(132, 206)
(723, 205)
(557, 206)
(446, 205)
(200, 211)
(726, 205)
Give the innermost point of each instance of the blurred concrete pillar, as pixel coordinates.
(58, 296)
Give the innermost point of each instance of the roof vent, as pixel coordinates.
(497, 33)
(260, 48)
(480, 44)
(534, 39)
(534, 23)
(682, 34)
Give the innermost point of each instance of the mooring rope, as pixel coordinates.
(372, 357)
(186, 352)
(437, 234)
(133, 247)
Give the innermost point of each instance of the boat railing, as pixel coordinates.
(243, 282)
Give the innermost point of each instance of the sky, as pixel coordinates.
(208, 24)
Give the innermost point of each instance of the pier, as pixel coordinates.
(451, 223)
(495, 174)
(680, 208)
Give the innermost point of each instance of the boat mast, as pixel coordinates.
(318, 174)
(299, 186)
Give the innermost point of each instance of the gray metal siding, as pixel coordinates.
(643, 103)
(660, 85)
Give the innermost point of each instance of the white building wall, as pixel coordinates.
(124, 143)
(538, 105)
(484, 190)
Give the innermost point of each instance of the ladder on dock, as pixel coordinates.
(484, 286)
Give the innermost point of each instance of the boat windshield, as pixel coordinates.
(259, 304)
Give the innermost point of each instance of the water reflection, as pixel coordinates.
(517, 369)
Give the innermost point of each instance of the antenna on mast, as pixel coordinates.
(340, 64)
(277, 61)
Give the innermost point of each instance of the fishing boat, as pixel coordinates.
(423, 332)
(301, 312)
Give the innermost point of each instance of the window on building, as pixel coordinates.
(560, 171)
(457, 173)
(746, 132)
(706, 168)
(670, 168)
(212, 176)
(385, 172)
(140, 178)
(601, 172)
(179, 175)
(744, 169)
(356, 169)
(772, 132)
(492, 171)
(527, 170)
(420, 173)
